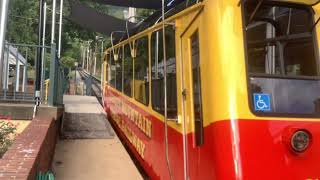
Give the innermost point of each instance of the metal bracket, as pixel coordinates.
(184, 94)
(115, 54)
(128, 34)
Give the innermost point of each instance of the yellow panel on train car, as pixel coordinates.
(243, 81)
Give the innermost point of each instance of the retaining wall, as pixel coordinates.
(32, 151)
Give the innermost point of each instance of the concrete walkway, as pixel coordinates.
(96, 159)
(84, 118)
(103, 159)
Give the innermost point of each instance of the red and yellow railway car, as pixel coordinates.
(237, 95)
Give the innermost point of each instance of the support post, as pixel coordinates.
(95, 59)
(102, 50)
(53, 23)
(88, 58)
(132, 13)
(17, 76)
(53, 77)
(95, 65)
(60, 28)
(3, 27)
(39, 54)
(25, 75)
(83, 55)
(6, 69)
(24, 79)
(43, 74)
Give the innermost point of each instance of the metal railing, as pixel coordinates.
(19, 74)
(58, 81)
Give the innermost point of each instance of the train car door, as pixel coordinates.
(191, 90)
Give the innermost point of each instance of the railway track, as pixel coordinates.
(96, 84)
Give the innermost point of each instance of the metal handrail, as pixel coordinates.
(128, 34)
(27, 45)
(112, 45)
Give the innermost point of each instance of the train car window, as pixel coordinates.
(119, 69)
(196, 79)
(141, 69)
(157, 75)
(112, 77)
(282, 58)
(128, 71)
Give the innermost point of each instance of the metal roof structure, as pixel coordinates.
(93, 20)
(14, 56)
(89, 18)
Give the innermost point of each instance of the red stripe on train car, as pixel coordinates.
(233, 149)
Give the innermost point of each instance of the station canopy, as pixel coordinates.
(14, 56)
(93, 20)
(89, 18)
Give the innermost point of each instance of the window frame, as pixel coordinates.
(198, 142)
(176, 68)
(123, 76)
(134, 66)
(120, 54)
(110, 73)
(277, 76)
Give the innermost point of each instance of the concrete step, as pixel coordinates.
(84, 118)
(86, 126)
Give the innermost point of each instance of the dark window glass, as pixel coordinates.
(112, 67)
(128, 71)
(282, 58)
(119, 69)
(196, 82)
(141, 69)
(157, 64)
(297, 96)
(280, 40)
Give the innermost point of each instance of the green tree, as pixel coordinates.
(23, 28)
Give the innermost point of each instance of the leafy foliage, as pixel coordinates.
(7, 133)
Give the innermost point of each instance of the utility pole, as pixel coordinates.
(60, 28)
(95, 55)
(3, 27)
(53, 27)
(95, 63)
(88, 56)
(39, 52)
(43, 44)
(82, 54)
(102, 48)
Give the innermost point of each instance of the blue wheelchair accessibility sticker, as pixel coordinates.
(262, 102)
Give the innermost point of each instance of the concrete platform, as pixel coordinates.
(85, 159)
(82, 104)
(103, 159)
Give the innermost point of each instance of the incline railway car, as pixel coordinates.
(237, 95)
